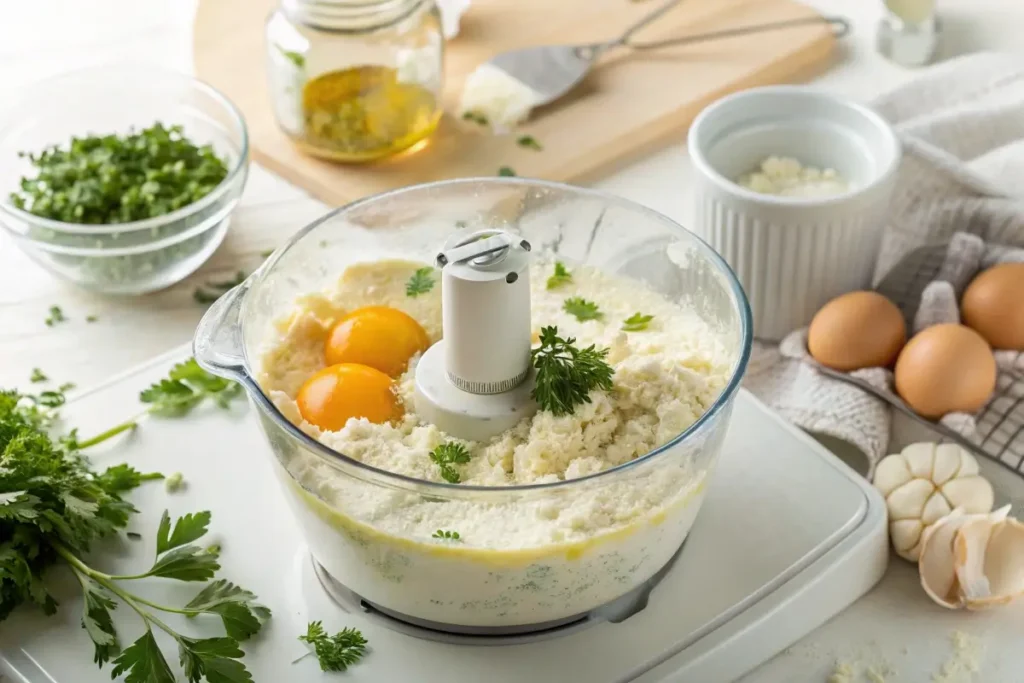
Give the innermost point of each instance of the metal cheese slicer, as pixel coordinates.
(553, 70)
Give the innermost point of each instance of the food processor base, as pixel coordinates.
(616, 611)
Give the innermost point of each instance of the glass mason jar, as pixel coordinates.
(355, 80)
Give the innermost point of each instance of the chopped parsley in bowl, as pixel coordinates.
(126, 183)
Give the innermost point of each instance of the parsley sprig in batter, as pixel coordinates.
(566, 374)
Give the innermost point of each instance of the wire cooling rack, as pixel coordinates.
(998, 430)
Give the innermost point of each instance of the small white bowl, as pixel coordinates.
(792, 254)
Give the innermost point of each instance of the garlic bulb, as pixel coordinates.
(922, 484)
(973, 561)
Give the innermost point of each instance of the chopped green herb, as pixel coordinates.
(529, 142)
(296, 58)
(506, 172)
(446, 535)
(38, 376)
(560, 277)
(337, 652)
(266, 253)
(56, 316)
(174, 482)
(421, 282)
(91, 318)
(448, 454)
(66, 387)
(215, 289)
(566, 374)
(54, 508)
(476, 117)
(134, 536)
(582, 309)
(637, 322)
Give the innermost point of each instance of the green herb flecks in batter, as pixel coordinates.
(581, 309)
(337, 652)
(637, 322)
(566, 374)
(446, 535)
(448, 454)
(560, 277)
(421, 282)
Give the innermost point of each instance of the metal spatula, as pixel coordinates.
(553, 70)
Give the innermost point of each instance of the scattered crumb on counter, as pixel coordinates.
(879, 673)
(844, 672)
(964, 662)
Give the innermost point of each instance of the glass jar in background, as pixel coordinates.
(908, 32)
(355, 80)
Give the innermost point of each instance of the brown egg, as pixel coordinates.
(857, 330)
(944, 369)
(993, 305)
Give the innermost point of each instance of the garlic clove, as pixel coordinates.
(908, 501)
(972, 493)
(968, 465)
(937, 565)
(936, 508)
(920, 459)
(947, 463)
(969, 559)
(891, 473)
(990, 560)
(906, 538)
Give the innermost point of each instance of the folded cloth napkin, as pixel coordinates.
(961, 124)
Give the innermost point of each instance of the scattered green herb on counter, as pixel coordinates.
(475, 117)
(560, 277)
(529, 142)
(296, 58)
(421, 282)
(637, 322)
(506, 172)
(215, 289)
(54, 508)
(134, 535)
(66, 387)
(174, 482)
(446, 535)
(91, 318)
(56, 316)
(566, 374)
(337, 652)
(448, 454)
(581, 309)
(38, 376)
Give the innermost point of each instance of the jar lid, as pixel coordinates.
(348, 15)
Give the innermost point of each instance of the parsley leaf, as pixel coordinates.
(506, 172)
(237, 608)
(446, 535)
(421, 282)
(529, 142)
(215, 659)
(448, 454)
(560, 277)
(189, 528)
(38, 376)
(56, 316)
(97, 622)
(296, 58)
(143, 662)
(337, 652)
(582, 309)
(476, 117)
(637, 322)
(566, 374)
(185, 387)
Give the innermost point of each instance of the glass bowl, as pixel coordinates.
(125, 258)
(470, 585)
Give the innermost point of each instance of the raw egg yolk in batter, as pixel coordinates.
(330, 397)
(381, 337)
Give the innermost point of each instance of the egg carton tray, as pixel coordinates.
(927, 285)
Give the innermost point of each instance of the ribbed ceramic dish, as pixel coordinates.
(792, 254)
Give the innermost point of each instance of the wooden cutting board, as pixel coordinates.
(633, 103)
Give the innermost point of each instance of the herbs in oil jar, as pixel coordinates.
(364, 113)
(356, 80)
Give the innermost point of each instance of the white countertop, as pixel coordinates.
(46, 37)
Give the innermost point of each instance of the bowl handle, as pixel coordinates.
(217, 345)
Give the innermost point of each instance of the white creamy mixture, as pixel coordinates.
(503, 100)
(787, 177)
(590, 544)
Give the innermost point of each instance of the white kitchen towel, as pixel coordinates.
(961, 124)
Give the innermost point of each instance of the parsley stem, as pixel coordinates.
(112, 432)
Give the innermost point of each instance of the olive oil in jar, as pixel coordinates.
(364, 113)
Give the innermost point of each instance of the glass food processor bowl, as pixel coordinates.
(465, 584)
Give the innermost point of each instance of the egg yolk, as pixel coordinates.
(378, 336)
(339, 392)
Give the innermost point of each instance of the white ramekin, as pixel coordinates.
(792, 254)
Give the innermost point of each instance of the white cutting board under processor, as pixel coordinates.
(788, 536)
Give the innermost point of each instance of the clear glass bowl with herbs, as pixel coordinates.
(121, 179)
